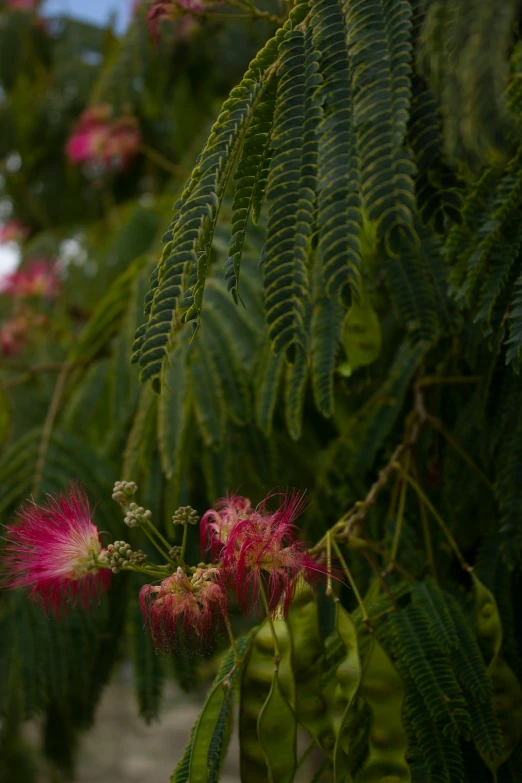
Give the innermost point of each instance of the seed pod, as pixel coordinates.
(348, 676)
(311, 706)
(383, 690)
(507, 692)
(256, 682)
(277, 732)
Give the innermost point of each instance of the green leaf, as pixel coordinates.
(361, 336)
(338, 199)
(5, 416)
(174, 411)
(379, 36)
(290, 211)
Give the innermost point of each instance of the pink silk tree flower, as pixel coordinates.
(97, 139)
(124, 141)
(14, 231)
(183, 609)
(54, 552)
(263, 549)
(173, 9)
(38, 279)
(14, 334)
(217, 522)
(22, 5)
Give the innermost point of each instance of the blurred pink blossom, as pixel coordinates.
(22, 5)
(15, 332)
(174, 9)
(39, 279)
(14, 231)
(13, 335)
(99, 139)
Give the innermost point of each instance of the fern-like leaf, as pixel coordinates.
(289, 197)
(338, 205)
(251, 172)
(379, 34)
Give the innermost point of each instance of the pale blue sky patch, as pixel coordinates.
(96, 11)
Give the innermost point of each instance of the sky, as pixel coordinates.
(91, 10)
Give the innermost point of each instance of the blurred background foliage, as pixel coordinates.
(232, 415)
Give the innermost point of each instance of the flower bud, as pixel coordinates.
(185, 515)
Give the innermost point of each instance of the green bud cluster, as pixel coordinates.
(120, 555)
(137, 515)
(123, 492)
(175, 552)
(185, 515)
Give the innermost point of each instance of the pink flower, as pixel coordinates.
(39, 279)
(13, 231)
(22, 5)
(54, 551)
(13, 335)
(264, 546)
(172, 9)
(99, 140)
(217, 523)
(183, 608)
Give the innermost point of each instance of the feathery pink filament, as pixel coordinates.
(264, 545)
(53, 551)
(217, 522)
(183, 608)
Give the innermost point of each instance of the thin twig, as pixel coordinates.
(399, 520)
(48, 426)
(161, 161)
(427, 537)
(353, 585)
(380, 576)
(277, 652)
(429, 505)
(440, 427)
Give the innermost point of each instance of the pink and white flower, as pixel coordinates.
(260, 547)
(97, 139)
(217, 522)
(54, 551)
(38, 279)
(182, 609)
(13, 231)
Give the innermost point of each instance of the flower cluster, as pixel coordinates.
(39, 279)
(172, 10)
(55, 551)
(23, 5)
(259, 549)
(13, 231)
(15, 331)
(101, 140)
(183, 607)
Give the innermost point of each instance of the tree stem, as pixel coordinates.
(277, 653)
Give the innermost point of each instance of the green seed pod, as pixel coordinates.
(507, 692)
(256, 683)
(277, 732)
(311, 706)
(383, 691)
(348, 675)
